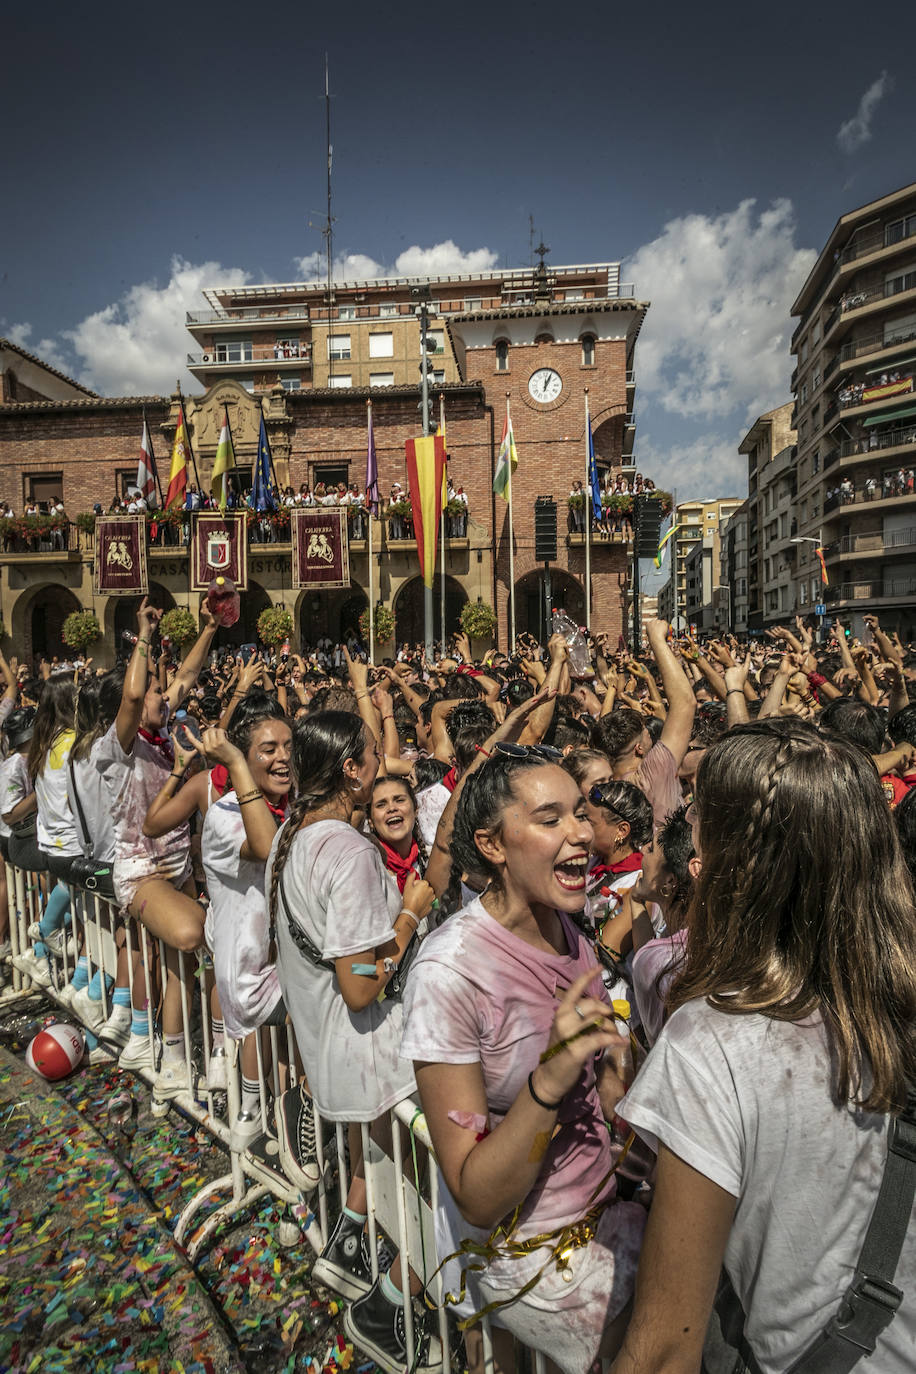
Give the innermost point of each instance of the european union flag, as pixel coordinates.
(262, 496)
(594, 488)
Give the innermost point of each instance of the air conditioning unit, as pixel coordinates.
(206, 358)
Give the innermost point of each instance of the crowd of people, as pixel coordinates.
(639, 942)
(615, 514)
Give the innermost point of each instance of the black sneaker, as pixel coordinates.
(377, 1327)
(344, 1263)
(295, 1118)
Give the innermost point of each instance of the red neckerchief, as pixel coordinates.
(450, 780)
(278, 812)
(158, 742)
(401, 868)
(219, 778)
(627, 865)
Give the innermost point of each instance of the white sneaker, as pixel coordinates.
(245, 1127)
(66, 993)
(33, 967)
(137, 1053)
(116, 1030)
(217, 1077)
(58, 941)
(172, 1080)
(89, 1011)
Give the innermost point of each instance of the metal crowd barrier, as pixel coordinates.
(401, 1188)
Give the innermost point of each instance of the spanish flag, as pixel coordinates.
(425, 466)
(178, 469)
(820, 558)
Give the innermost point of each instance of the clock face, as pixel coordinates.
(545, 385)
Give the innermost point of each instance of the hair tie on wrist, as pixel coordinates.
(548, 1106)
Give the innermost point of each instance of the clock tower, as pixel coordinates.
(542, 354)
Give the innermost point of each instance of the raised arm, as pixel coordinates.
(193, 660)
(136, 679)
(682, 703)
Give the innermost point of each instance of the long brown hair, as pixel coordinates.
(804, 904)
(55, 713)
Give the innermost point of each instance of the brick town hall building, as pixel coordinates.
(309, 363)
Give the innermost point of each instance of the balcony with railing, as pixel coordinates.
(865, 244)
(877, 542)
(881, 493)
(867, 446)
(253, 355)
(877, 591)
(876, 343)
(863, 297)
(249, 315)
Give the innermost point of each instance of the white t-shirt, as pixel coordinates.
(100, 820)
(132, 781)
(56, 827)
(236, 926)
(336, 888)
(659, 959)
(745, 1101)
(431, 802)
(15, 784)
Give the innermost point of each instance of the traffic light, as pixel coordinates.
(545, 530)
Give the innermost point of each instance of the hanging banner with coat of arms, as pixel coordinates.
(120, 556)
(219, 548)
(321, 555)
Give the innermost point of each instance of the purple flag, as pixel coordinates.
(372, 496)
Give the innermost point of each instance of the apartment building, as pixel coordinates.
(854, 385)
(696, 521)
(771, 453)
(733, 570)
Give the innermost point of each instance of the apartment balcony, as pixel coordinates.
(248, 315)
(629, 435)
(865, 244)
(878, 445)
(877, 544)
(857, 303)
(830, 458)
(297, 355)
(876, 593)
(886, 390)
(631, 389)
(881, 499)
(875, 345)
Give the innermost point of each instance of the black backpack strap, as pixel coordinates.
(306, 946)
(871, 1300)
(79, 807)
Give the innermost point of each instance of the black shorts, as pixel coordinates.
(277, 1015)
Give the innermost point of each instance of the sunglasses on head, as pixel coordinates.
(521, 751)
(597, 795)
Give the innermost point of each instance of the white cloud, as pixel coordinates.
(854, 132)
(716, 339)
(439, 260)
(703, 467)
(137, 346)
(48, 350)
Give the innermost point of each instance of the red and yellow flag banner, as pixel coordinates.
(178, 467)
(425, 469)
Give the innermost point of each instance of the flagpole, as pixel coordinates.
(442, 526)
(371, 597)
(152, 458)
(511, 538)
(588, 520)
(187, 432)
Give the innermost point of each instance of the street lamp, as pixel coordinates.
(818, 544)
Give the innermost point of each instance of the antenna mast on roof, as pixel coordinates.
(531, 241)
(330, 222)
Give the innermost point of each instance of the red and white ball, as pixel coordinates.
(56, 1051)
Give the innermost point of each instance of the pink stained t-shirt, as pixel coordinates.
(477, 993)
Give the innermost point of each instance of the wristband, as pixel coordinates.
(406, 911)
(738, 691)
(548, 1106)
(176, 776)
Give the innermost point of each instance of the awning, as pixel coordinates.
(891, 367)
(890, 415)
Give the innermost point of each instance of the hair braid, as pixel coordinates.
(288, 833)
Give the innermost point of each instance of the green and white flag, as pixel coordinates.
(507, 461)
(222, 463)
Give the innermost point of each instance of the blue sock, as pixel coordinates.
(55, 912)
(394, 1295)
(120, 997)
(95, 987)
(80, 977)
(40, 949)
(139, 1024)
(91, 1041)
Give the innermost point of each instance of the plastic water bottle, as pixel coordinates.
(121, 1110)
(223, 601)
(580, 660)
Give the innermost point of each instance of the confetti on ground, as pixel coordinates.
(90, 1279)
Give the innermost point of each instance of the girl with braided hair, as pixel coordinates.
(507, 1023)
(772, 1089)
(341, 931)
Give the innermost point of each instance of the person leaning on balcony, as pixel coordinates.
(396, 521)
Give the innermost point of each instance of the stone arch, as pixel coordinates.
(408, 609)
(120, 613)
(37, 620)
(566, 593)
(329, 614)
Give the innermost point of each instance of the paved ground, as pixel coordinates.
(90, 1278)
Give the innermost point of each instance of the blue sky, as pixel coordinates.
(707, 148)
